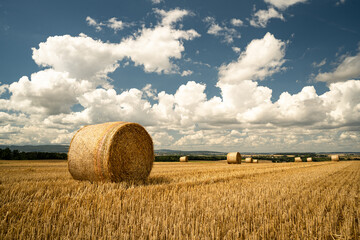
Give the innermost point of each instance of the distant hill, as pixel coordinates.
(38, 148)
(65, 148)
(162, 152)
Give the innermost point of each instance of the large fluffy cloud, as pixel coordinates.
(342, 103)
(81, 57)
(262, 58)
(154, 48)
(48, 92)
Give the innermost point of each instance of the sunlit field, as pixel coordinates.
(194, 200)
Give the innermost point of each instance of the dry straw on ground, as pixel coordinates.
(248, 160)
(184, 159)
(309, 159)
(298, 159)
(335, 158)
(114, 151)
(234, 158)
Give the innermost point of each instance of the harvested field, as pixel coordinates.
(201, 200)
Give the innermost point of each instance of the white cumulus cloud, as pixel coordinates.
(81, 57)
(172, 16)
(236, 22)
(262, 17)
(261, 58)
(155, 47)
(226, 33)
(283, 4)
(92, 22)
(113, 23)
(348, 68)
(48, 92)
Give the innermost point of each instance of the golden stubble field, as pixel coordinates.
(194, 200)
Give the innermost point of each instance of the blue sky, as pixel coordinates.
(267, 75)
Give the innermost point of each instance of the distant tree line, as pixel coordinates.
(7, 154)
(175, 158)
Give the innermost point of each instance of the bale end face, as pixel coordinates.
(234, 158)
(114, 151)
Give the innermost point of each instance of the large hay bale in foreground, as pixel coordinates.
(309, 159)
(298, 159)
(113, 151)
(233, 158)
(335, 158)
(184, 159)
(248, 160)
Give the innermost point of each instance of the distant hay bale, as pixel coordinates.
(298, 159)
(113, 151)
(335, 158)
(309, 159)
(255, 161)
(234, 158)
(184, 159)
(248, 160)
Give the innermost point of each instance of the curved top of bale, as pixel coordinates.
(113, 151)
(234, 157)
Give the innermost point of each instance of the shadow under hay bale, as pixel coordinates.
(114, 151)
(234, 158)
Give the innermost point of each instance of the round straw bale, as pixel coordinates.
(248, 160)
(113, 151)
(255, 161)
(335, 158)
(184, 159)
(298, 159)
(234, 158)
(309, 159)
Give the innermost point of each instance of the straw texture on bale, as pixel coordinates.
(184, 159)
(309, 159)
(113, 151)
(233, 158)
(248, 160)
(335, 158)
(298, 159)
(255, 161)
